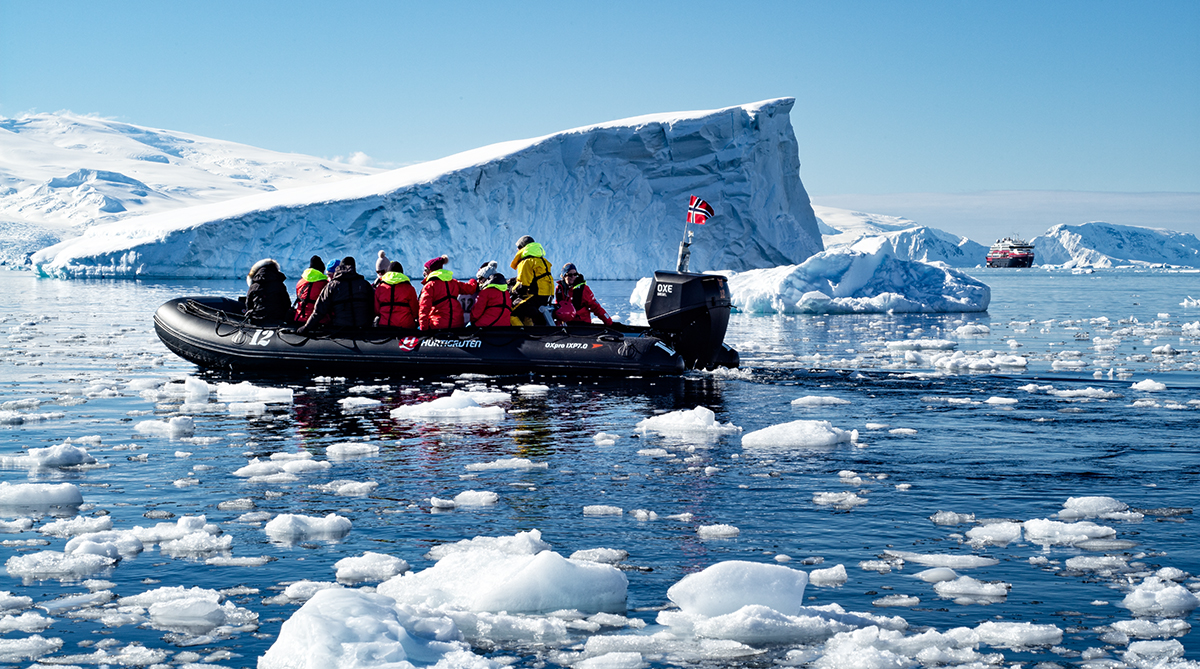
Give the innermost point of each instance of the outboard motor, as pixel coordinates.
(694, 310)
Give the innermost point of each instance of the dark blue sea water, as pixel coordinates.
(77, 347)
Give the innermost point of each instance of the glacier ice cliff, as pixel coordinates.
(610, 198)
(1101, 244)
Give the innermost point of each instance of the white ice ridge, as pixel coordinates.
(610, 198)
(1101, 244)
(864, 278)
(842, 227)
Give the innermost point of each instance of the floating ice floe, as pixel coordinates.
(353, 403)
(1108, 508)
(831, 576)
(369, 567)
(950, 560)
(248, 392)
(605, 439)
(55, 565)
(1045, 532)
(994, 534)
(686, 422)
(459, 406)
(112, 544)
(718, 531)
(506, 463)
(508, 576)
(465, 498)
(818, 401)
(344, 450)
(921, 345)
(967, 590)
(1018, 635)
(172, 428)
(602, 510)
(51, 457)
(281, 463)
(69, 527)
(798, 434)
(951, 518)
(838, 500)
(338, 625)
(1156, 596)
(602, 555)
(293, 528)
(972, 330)
(1149, 386)
(347, 488)
(1089, 392)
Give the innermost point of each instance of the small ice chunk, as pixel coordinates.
(476, 498)
(369, 567)
(459, 406)
(1149, 386)
(507, 463)
(951, 518)
(605, 439)
(248, 392)
(350, 449)
(818, 401)
(718, 531)
(602, 555)
(1157, 597)
(839, 500)
(936, 575)
(291, 528)
(797, 434)
(835, 575)
(1018, 635)
(896, 600)
(700, 419)
(726, 587)
(969, 590)
(602, 510)
(172, 428)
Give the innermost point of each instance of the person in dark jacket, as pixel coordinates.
(308, 288)
(576, 303)
(267, 298)
(395, 299)
(348, 300)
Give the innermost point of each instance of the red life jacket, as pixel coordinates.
(396, 301)
(439, 306)
(311, 283)
(493, 308)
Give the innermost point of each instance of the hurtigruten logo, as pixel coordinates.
(452, 343)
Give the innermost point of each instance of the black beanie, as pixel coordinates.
(316, 263)
(348, 261)
(395, 266)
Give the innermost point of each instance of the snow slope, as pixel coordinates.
(62, 171)
(1101, 244)
(609, 197)
(844, 228)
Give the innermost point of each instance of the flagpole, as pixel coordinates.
(685, 254)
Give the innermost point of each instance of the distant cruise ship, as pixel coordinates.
(1010, 252)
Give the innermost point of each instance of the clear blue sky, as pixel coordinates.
(892, 97)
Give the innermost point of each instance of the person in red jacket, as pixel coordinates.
(576, 303)
(308, 289)
(493, 307)
(395, 299)
(439, 308)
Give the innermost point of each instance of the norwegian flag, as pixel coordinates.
(699, 211)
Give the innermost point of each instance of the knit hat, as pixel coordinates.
(568, 268)
(395, 266)
(381, 265)
(497, 278)
(334, 265)
(524, 241)
(348, 261)
(316, 263)
(434, 264)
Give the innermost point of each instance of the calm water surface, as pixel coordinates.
(77, 346)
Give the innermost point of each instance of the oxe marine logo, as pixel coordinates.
(664, 289)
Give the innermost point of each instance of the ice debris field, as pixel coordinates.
(796, 512)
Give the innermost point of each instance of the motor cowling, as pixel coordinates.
(693, 309)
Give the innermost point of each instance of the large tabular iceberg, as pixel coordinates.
(609, 197)
(864, 278)
(1108, 245)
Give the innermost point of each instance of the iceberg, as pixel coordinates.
(1100, 244)
(909, 241)
(867, 277)
(610, 198)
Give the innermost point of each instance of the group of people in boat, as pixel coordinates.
(339, 296)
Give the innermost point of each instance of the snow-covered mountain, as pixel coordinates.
(62, 172)
(1107, 245)
(908, 240)
(609, 197)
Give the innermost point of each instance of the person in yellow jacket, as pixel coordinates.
(534, 287)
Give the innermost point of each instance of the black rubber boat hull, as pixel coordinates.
(210, 332)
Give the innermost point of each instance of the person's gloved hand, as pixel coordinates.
(485, 270)
(608, 321)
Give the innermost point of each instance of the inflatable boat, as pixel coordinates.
(687, 315)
